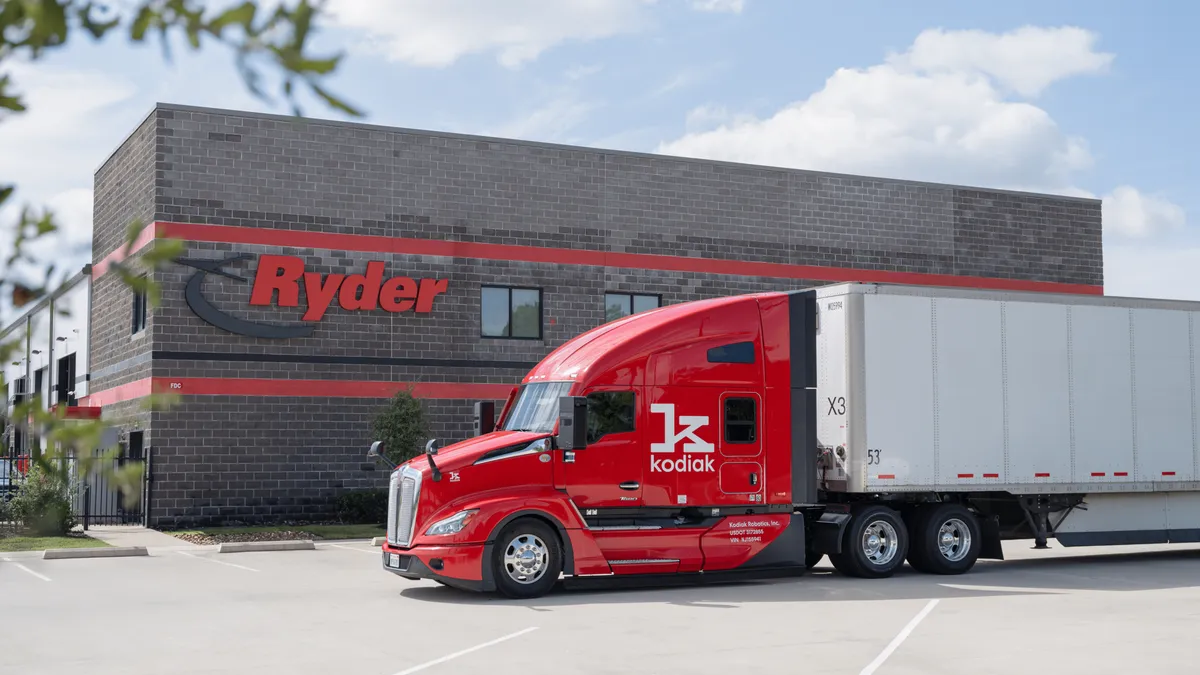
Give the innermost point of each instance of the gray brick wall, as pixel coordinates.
(248, 458)
(124, 193)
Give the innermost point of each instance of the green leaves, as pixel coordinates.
(28, 29)
(280, 37)
(402, 427)
(242, 15)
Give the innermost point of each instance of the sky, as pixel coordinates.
(1092, 98)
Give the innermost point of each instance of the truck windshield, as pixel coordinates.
(536, 407)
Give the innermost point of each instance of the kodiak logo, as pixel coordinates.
(697, 452)
(278, 280)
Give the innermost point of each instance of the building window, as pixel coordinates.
(511, 312)
(139, 309)
(609, 412)
(739, 420)
(617, 305)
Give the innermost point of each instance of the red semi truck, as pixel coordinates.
(753, 435)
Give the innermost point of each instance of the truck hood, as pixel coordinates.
(464, 453)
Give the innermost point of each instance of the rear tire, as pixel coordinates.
(526, 559)
(874, 545)
(946, 540)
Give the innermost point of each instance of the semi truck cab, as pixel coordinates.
(677, 440)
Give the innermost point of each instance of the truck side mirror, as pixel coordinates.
(376, 453)
(485, 417)
(572, 422)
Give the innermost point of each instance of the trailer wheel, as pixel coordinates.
(876, 542)
(946, 540)
(527, 559)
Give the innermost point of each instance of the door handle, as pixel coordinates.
(630, 485)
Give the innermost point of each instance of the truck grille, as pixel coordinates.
(403, 493)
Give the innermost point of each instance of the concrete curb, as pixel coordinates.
(251, 546)
(108, 552)
(377, 541)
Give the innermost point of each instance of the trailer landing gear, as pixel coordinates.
(1037, 510)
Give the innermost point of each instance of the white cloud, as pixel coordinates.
(549, 122)
(1127, 212)
(1152, 272)
(436, 33)
(950, 109)
(51, 152)
(582, 72)
(937, 112)
(58, 131)
(952, 127)
(732, 6)
(1026, 60)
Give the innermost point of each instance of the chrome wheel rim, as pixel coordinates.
(954, 540)
(525, 558)
(880, 542)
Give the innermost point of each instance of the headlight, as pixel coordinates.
(451, 525)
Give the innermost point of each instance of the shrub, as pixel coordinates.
(367, 507)
(43, 503)
(402, 427)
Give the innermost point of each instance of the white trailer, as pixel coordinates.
(1065, 416)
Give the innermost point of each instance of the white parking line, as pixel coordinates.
(22, 567)
(900, 638)
(351, 548)
(468, 650)
(218, 562)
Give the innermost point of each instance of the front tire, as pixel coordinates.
(875, 544)
(527, 559)
(946, 540)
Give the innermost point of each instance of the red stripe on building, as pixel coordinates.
(230, 234)
(124, 392)
(146, 236)
(218, 386)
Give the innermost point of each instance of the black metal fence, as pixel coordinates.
(95, 499)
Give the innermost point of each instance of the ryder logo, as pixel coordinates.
(278, 281)
(689, 462)
(193, 294)
(283, 275)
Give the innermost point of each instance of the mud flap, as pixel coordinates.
(990, 548)
(827, 532)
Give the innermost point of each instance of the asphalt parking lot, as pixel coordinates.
(1112, 610)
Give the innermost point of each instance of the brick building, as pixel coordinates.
(329, 263)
